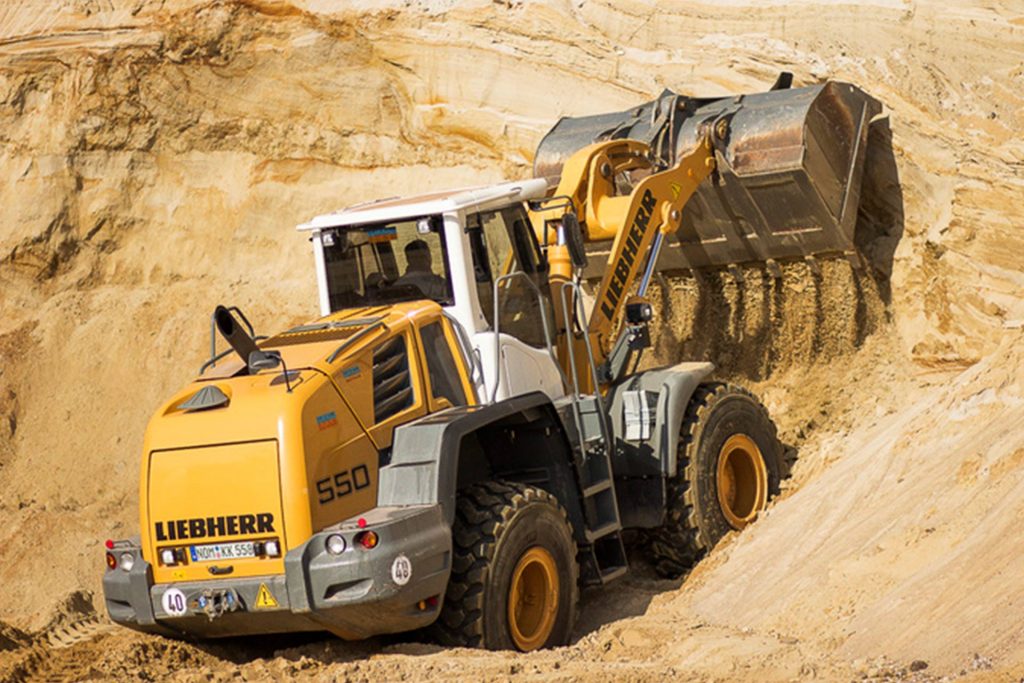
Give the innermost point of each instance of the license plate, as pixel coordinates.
(222, 551)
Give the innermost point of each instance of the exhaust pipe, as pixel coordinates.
(234, 333)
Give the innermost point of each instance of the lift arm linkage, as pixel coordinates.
(655, 204)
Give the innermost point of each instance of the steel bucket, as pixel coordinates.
(789, 171)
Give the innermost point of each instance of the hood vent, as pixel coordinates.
(205, 398)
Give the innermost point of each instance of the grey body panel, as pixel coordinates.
(642, 465)
(427, 454)
(351, 594)
(673, 386)
(527, 439)
(127, 595)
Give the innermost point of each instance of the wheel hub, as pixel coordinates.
(742, 480)
(533, 599)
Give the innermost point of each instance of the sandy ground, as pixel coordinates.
(155, 157)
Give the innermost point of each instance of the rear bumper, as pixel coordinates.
(354, 594)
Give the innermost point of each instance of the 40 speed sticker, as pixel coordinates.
(401, 570)
(174, 602)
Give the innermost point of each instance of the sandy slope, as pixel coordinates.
(156, 155)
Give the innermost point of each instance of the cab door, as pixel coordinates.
(503, 244)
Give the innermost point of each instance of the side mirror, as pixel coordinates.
(264, 360)
(573, 236)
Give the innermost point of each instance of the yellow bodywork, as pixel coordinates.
(278, 465)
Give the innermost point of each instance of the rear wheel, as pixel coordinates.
(730, 463)
(514, 573)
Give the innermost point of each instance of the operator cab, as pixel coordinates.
(451, 248)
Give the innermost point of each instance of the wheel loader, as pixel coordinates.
(460, 440)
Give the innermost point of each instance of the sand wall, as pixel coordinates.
(154, 158)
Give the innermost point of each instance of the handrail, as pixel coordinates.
(213, 361)
(576, 290)
(497, 330)
(570, 349)
(353, 339)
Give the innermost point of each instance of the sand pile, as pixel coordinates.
(155, 157)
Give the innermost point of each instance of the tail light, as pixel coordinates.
(368, 539)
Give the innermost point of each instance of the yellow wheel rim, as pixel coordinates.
(742, 480)
(533, 599)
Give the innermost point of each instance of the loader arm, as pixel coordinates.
(632, 221)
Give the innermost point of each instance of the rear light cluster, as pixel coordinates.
(269, 548)
(125, 559)
(172, 557)
(367, 539)
(336, 544)
(429, 603)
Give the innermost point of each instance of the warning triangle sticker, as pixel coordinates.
(264, 598)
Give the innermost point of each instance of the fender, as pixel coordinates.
(645, 456)
(671, 388)
(520, 439)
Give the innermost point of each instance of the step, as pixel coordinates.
(595, 489)
(601, 531)
(612, 573)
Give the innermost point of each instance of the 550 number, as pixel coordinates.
(342, 483)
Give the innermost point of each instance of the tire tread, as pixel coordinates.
(482, 515)
(679, 543)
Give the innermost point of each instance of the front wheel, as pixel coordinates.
(514, 574)
(729, 464)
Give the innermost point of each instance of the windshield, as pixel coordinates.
(385, 263)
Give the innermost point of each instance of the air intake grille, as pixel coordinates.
(392, 387)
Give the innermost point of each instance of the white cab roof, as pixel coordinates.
(396, 208)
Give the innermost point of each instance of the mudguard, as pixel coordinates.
(436, 455)
(646, 412)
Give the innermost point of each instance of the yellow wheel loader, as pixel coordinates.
(459, 441)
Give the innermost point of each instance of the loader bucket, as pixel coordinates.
(789, 170)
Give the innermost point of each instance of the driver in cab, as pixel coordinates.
(419, 271)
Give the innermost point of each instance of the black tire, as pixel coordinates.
(695, 519)
(496, 524)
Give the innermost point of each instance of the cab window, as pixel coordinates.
(503, 242)
(445, 378)
(386, 263)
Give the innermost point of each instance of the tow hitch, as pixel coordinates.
(216, 602)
